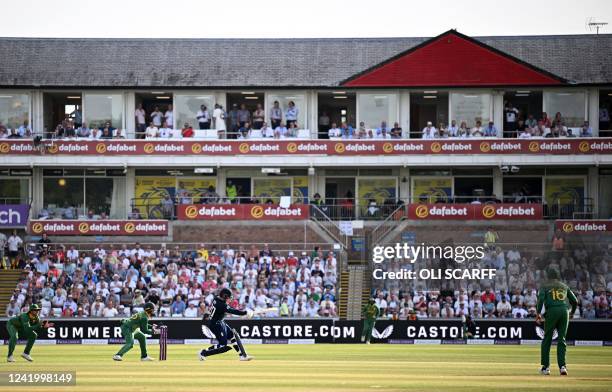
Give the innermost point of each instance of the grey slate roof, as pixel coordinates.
(585, 59)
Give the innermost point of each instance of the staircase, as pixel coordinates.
(358, 292)
(8, 283)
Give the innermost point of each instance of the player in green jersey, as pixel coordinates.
(370, 313)
(136, 327)
(25, 326)
(553, 296)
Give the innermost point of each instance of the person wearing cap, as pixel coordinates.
(136, 327)
(27, 325)
(554, 296)
(370, 313)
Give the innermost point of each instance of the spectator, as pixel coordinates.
(291, 114)
(165, 132)
(276, 115)
(429, 132)
(156, 117)
(490, 130)
(259, 116)
(477, 131)
(203, 117)
(244, 116)
(169, 117)
(219, 124)
(141, 123)
(187, 131)
(585, 130)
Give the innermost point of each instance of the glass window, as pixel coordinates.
(14, 109)
(100, 108)
(14, 190)
(283, 100)
(470, 107)
(186, 108)
(63, 197)
(98, 194)
(376, 108)
(571, 105)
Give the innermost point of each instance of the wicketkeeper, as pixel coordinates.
(553, 295)
(370, 313)
(136, 327)
(25, 326)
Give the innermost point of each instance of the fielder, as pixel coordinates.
(370, 313)
(553, 295)
(136, 327)
(25, 326)
(213, 320)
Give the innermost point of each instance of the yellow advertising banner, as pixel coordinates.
(271, 188)
(149, 193)
(432, 190)
(564, 191)
(379, 189)
(192, 189)
(300, 190)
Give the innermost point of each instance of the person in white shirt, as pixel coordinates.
(95, 134)
(169, 116)
(156, 117)
(280, 131)
(165, 132)
(266, 130)
(203, 117)
(525, 134)
(334, 131)
(219, 120)
(429, 132)
(141, 122)
(477, 131)
(191, 311)
(151, 131)
(453, 129)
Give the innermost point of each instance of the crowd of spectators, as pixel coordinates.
(241, 123)
(520, 270)
(116, 282)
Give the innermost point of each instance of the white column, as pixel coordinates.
(404, 113)
(221, 179)
(37, 115)
(312, 99)
(593, 186)
(498, 183)
(130, 188)
(498, 116)
(129, 99)
(404, 186)
(593, 109)
(37, 191)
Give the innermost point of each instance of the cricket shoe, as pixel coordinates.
(27, 357)
(117, 357)
(202, 356)
(246, 358)
(10, 359)
(563, 371)
(545, 371)
(146, 359)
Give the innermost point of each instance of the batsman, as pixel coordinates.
(136, 327)
(25, 326)
(553, 296)
(213, 320)
(370, 313)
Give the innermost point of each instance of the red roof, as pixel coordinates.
(454, 60)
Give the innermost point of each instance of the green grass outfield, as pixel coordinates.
(322, 368)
